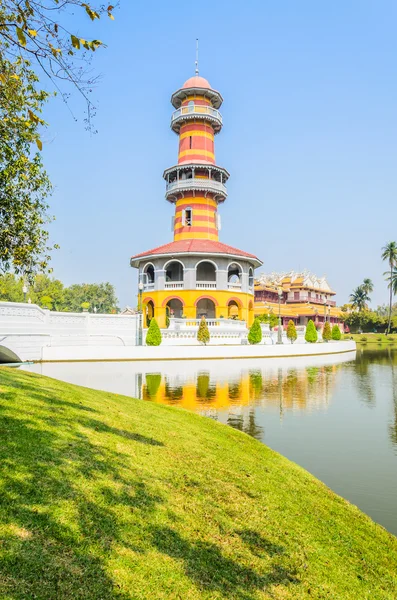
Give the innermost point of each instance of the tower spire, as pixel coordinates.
(197, 56)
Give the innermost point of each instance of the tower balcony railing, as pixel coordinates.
(206, 285)
(174, 285)
(234, 286)
(207, 113)
(196, 183)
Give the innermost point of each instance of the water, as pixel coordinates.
(336, 416)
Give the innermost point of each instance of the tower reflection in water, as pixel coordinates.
(236, 393)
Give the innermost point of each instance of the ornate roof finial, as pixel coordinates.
(197, 56)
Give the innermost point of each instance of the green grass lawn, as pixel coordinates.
(373, 338)
(103, 496)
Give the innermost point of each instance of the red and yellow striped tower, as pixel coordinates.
(196, 275)
(196, 185)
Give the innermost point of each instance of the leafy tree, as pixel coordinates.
(37, 30)
(311, 332)
(389, 254)
(255, 332)
(46, 302)
(326, 331)
(101, 297)
(270, 318)
(11, 288)
(203, 334)
(336, 334)
(45, 287)
(153, 337)
(24, 184)
(291, 331)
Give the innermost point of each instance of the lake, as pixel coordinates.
(335, 416)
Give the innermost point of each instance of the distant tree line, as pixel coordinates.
(52, 294)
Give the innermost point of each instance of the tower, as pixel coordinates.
(196, 274)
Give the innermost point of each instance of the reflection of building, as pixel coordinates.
(303, 296)
(196, 274)
(284, 389)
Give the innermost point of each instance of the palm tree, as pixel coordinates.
(359, 298)
(389, 253)
(367, 286)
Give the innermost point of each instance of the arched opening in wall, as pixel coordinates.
(205, 308)
(149, 310)
(251, 279)
(148, 275)
(233, 310)
(174, 273)
(234, 275)
(206, 273)
(174, 308)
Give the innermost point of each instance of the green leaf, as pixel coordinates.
(21, 36)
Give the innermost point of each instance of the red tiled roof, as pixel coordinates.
(195, 247)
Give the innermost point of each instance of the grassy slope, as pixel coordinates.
(107, 497)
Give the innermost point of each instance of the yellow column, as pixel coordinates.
(160, 314)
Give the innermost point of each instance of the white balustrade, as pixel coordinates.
(173, 285)
(206, 285)
(234, 286)
(196, 110)
(196, 183)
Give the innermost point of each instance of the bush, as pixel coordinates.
(363, 338)
(203, 334)
(255, 332)
(327, 331)
(336, 334)
(291, 331)
(311, 333)
(153, 337)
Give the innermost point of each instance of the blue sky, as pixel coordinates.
(309, 137)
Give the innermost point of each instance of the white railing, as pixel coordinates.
(148, 286)
(206, 285)
(180, 323)
(234, 286)
(196, 183)
(173, 285)
(196, 110)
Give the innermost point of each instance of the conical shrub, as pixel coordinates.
(326, 331)
(203, 334)
(336, 334)
(311, 332)
(255, 332)
(291, 331)
(153, 337)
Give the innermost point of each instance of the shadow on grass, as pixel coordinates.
(69, 502)
(210, 570)
(57, 532)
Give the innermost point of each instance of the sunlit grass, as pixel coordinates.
(107, 497)
(372, 338)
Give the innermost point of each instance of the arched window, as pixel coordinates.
(148, 275)
(205, 272)
(190, 106)
(234, 272)
(187, 217)
(251, 278)
(174, 272)
(205, 308)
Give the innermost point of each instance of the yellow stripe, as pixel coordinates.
(206, 134)
(197, 212)
(197, 236)
(197, 151)
(196, 200)
(196, 223)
